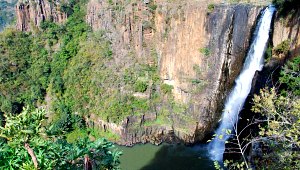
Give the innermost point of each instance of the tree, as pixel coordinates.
(26, 145)
(279, 133)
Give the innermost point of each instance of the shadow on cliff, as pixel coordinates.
(180, 157)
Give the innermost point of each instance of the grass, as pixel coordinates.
(99, 133)
(92, 133)
(76, 135)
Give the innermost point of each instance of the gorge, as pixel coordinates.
(185, 103)
(143, 71)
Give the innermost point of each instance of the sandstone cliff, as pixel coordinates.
(199, 53)
(30, 13)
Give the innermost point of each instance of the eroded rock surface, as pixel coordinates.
(30, 13)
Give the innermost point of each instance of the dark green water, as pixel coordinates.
(164, 157)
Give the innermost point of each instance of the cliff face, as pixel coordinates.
(31, 13)
(210, 49)
(199, 53)
(288, 28)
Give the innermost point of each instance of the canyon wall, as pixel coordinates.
(30, 13)
(199, 51)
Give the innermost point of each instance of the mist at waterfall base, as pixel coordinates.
(235, 101)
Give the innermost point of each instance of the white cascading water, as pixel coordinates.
(235, 100)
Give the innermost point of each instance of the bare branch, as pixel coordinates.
(31, 153)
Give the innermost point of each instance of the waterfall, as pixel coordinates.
(235, 100)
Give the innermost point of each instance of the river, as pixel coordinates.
(165, 157)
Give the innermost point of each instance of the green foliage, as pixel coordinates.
(281, 129)
(196, 81)
(140, 86)
(268, 53)
(28, 68)
(24, 70)
(76, 135)
(97, 133)
(152, 7)
(205, 51)
(210, 7)
(282, 48)
(217, 165)
(24, 126)
(166, 89)
(70, 70)
(290, 75)
(50, 152)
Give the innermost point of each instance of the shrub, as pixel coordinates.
(166, 89)
(268, 53)
(140, 86)
(290, 75)
(210, 7)
(283, 47)
(196, 81)
(205, 51)
(152, 7)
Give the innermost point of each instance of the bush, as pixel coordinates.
(140, 86)
(152, 6)
(166, 89)
(268, 53)
(205, 51)
(210, 8)
(45, 152)
(283, 47)
(290, 75)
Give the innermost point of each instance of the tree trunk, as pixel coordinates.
(87, 163)
(31, 153)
